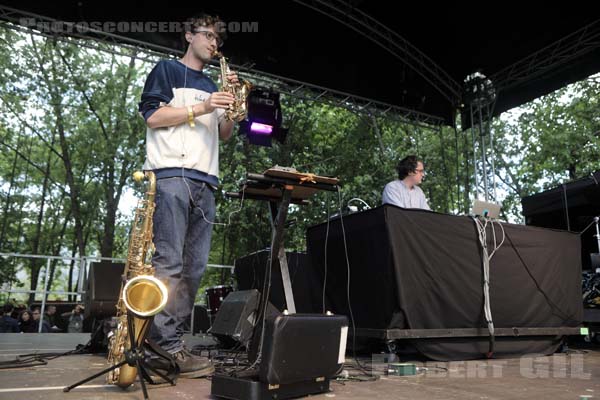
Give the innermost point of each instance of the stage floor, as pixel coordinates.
(561, 376)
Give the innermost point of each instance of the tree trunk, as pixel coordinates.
(7, 202)
(38, 229)
(55, 249)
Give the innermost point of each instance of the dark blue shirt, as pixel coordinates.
(9, 324)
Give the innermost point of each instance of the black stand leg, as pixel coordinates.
(139, 367)
(89, 378)
(134, 357)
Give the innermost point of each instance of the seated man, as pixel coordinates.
(37, 320)
(404, 191)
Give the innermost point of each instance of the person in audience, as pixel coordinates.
(26, 322)
(8, 324)
(37, 319)
(50, 318)
(75, 318)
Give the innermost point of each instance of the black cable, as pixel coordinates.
(37, 359)
(588, 227)
(326, 240)
(264, 299)
(566, 206)
(18, 362)
(348, 285)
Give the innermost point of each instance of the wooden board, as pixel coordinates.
(291, 173)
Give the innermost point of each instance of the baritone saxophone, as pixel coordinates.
(142, 295)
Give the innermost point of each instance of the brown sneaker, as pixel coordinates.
(192, 366)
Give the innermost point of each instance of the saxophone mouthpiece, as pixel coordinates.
(217, 54)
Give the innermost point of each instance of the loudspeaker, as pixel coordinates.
(236, 318)
(104, 285)
(301, 353)
(201, 319)
(303, 347)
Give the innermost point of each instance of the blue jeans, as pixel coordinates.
(182, 242)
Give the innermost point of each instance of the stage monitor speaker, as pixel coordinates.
(303, 347)
(102, 293)
(236, 318)
(201, 319)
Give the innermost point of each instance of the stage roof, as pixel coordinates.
(414, 59)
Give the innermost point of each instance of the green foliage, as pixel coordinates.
(71, 136)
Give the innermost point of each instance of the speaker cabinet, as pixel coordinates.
(201, 319)
(103, 286)
(303, 347)
(236, 319)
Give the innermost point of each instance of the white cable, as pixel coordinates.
(501, 243)
(361, 200)
(481, 230)
(202, 211)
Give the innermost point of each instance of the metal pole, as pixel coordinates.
(492, 158)
(483, 158)
(46, 280)
(474, 152)
(378, 133)
(597, 232)
(81, 276)
(458, 199)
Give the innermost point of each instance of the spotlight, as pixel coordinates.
(263, 122)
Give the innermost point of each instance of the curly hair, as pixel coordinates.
(407, 165)
(204, 20)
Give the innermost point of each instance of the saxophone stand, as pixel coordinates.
(135, 357)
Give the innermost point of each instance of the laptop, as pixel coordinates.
(485, 209)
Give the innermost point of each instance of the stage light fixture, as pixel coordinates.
(263, 123)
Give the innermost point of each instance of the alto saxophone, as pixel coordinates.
(142, 295)
(240, 91)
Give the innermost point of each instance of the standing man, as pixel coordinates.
(75, 318)
(184, 114)
(405, 191)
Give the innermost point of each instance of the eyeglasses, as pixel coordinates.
(212, 36)
(420, 171)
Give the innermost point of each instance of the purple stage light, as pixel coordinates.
(261, 129)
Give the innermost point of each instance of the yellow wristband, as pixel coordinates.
(191, 116)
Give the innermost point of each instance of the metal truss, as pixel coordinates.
(370, 28)
(128, 47)
(543, 61)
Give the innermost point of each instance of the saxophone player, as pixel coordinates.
(184, 110)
